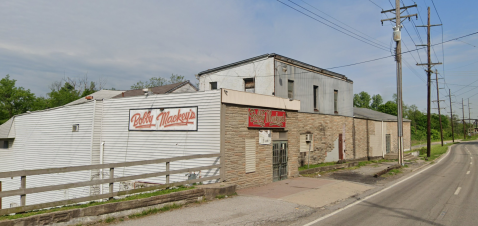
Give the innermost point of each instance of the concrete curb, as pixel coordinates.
(119, 209)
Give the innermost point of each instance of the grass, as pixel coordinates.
(132, 197)
(316, 165)
(435, 152)
(109, 219)
(394, 172)
(474, 137)
(155, 210)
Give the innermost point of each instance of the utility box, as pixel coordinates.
(397, 36)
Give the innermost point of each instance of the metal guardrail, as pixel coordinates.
(23, 191)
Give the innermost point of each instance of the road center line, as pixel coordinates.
(457, 191)
(468, 172)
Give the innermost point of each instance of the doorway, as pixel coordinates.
(387, 143)
(279, 160)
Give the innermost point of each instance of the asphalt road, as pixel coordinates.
(444, 194)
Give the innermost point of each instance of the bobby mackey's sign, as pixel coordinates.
(266, 118)
(164, 119)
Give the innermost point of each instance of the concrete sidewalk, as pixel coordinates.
(313, 192)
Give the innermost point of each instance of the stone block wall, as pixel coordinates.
(361, 148)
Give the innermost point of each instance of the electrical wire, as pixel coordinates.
(374, 45)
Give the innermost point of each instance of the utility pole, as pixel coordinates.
(438, 101)
(398, 58)
(451, 118)
(463, 110)
(469, 117)
(429, 71)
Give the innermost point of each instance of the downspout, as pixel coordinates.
(353, 136)
(102, 150)
(383, 153)
(368, 142)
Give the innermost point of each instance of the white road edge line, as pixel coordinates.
(457, 191)
(468, 172)
(375, 194)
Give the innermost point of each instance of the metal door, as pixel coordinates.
(279, 160)
(341, 147)
(387, 139)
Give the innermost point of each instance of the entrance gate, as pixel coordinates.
(279, 160)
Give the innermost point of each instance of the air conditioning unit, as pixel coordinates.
(308, 137)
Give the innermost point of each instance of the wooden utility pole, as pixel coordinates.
(469, 115)
(429, 71)
(398, 58)
(463, 110)
(451, 118)
(438, 101)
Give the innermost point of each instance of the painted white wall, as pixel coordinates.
(233, 78)
(44, 139)
(122, 145)
(333, 155)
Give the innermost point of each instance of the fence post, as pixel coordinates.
(167, 171)
(112, 176)
(23, 186)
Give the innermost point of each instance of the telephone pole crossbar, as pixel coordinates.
(429, 71)
(398, 57)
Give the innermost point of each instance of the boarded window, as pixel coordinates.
(336, 97)
(250, 155)
(249, 85)
(316, 98)
(213, 85)
(290, 89)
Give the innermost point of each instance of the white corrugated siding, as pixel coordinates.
(45, 139)
(250, 155)
(122, 145)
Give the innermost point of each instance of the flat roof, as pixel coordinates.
(280, 58)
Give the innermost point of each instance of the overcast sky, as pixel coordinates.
(123, 42)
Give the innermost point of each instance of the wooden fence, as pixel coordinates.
(23, 191)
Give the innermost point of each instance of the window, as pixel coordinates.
(316, 98)
(290, 89)
(75, 128)
(5, 144)
(249, 85)
(336, 97)
(213, 85)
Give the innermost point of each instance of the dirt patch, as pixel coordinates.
(355, 177)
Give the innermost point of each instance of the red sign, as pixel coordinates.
(266, 118)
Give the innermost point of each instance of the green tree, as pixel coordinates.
(13, 100)
(158, 81)
(64, 95)
(389, 108)
(362, 100)
(376, 102)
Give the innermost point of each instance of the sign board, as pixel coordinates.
(164, 119)
(260, 118)
(265, 137)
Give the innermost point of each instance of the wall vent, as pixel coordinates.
(75, 128)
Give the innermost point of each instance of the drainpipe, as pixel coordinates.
(353, 136)
(102, 150)
(368, 142)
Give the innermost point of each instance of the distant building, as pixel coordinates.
(319, 90)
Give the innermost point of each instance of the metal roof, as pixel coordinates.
(5, 128)
(155, 90)
(98, 95)
(280, 58)
(366, 113)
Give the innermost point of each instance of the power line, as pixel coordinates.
(474, 33)
(340, 21)
(372, 43)
(376, 4)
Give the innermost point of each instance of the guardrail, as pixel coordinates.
(23, 191)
